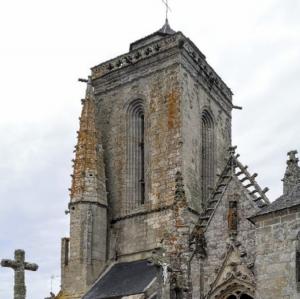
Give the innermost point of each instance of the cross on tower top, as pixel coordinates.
(19, 266)
(168, 8)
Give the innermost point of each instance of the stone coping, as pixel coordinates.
(177, 40)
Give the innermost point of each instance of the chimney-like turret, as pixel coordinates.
(84, 254)
(292, 173)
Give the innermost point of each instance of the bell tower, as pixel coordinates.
(187, 116)
(154, 133)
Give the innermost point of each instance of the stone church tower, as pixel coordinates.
(160, 205)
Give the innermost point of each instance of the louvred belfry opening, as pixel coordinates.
(135, 195)
(208, 150)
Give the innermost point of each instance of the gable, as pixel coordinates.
(225, 224)
(233, 272)
(224, 227)
(246, 206)
(246, 184)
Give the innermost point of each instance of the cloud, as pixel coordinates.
(45, 46)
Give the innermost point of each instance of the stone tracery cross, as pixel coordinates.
(19, 266)
(168, 8)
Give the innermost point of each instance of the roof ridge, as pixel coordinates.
(224, 179)
(262, 200)
(216, 195)
(282, 202)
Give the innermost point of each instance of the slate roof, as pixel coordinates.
(283, 202)
(124, 279)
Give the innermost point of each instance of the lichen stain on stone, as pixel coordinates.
(86, 153)
(172, 99)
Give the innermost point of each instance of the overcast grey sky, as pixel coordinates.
(46, 45)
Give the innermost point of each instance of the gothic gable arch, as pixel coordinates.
(206, 110)
(234, 279)
(129, 101)
(234, 288)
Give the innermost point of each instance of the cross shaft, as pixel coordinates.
(19, 266)
(166, 3)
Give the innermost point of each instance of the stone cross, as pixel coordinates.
(19, 266)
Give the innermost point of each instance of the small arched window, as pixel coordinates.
(207, 157)
(135, 195)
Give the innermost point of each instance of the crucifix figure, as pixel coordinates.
(166, 3)
(19, 266)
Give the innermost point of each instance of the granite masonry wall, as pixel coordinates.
(197, 97)
(218, 236)
(160, 92)
(277, 238)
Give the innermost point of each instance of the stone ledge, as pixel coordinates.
(177, 40)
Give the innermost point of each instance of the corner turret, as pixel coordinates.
(84, 254)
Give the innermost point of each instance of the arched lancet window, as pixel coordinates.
(135, 195)
(208, 151)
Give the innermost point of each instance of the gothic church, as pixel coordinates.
(160, 204)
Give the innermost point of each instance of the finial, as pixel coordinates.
(166, 3)
(292, 156)
(292, 173)
(232, 150)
